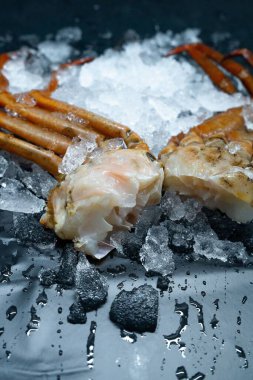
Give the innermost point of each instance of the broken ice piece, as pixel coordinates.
(248, 116)
(3, 166)
(14, 197)
(69, 34)
(113, 144)
(136, 310)
(76, 155)
(56, 52)
(90, 285)
(211, 247)
(155, 254)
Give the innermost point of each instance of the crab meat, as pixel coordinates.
(103, 194)
(213, 162)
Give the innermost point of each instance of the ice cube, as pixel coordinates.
(76, 155)
(248, 115)
(3, 166)
(19, 77)
(56, 52)
(69, 34)
(39, 181)
(172, 206)
(223, 250)
(155, 254)
(14, 197)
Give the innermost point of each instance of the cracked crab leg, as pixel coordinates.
(46, 119)
(101, 124)
(215, 74)
(40, 136)
(45, 158)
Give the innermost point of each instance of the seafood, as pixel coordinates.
(107, 191)
(214, 160)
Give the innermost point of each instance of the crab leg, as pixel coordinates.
(230, 65)
(101, 124)
(218, 77)
(40, 136)
(215, 74)
(45, 118)
(245, 53)
(4, 83)
(45, 158)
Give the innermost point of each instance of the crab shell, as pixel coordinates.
(213, 162)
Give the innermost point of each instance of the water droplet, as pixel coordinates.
(175, 338)
(8, 354)
(128, 336)
(42, 298)
(120, 285)
(26, 273)
(118, 269)
(203, 293)
(214, 322)
(1, 330)
(11, 312)
(198, 376)
(181, 373)
(199, 308)
(216, 303)
(244, 299)
(90, 344)
(133, 276)
(60, 352)
(59, 310)
(33, 325)
(240, 352)
(5, 273)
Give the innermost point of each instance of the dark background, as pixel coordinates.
(19, 17)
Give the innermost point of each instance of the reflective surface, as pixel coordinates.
(204, 322)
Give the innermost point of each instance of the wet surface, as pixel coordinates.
(200, 335)
(209, 306)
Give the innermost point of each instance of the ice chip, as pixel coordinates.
(172, 206)
(248, 115)
(14, 197)
(155, 254)
(56, 52)
(69, 34)
(76, 155)
(3, 166)
(223, 250)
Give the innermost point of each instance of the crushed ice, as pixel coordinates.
(157, 97)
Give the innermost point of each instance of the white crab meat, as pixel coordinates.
(106, 193)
